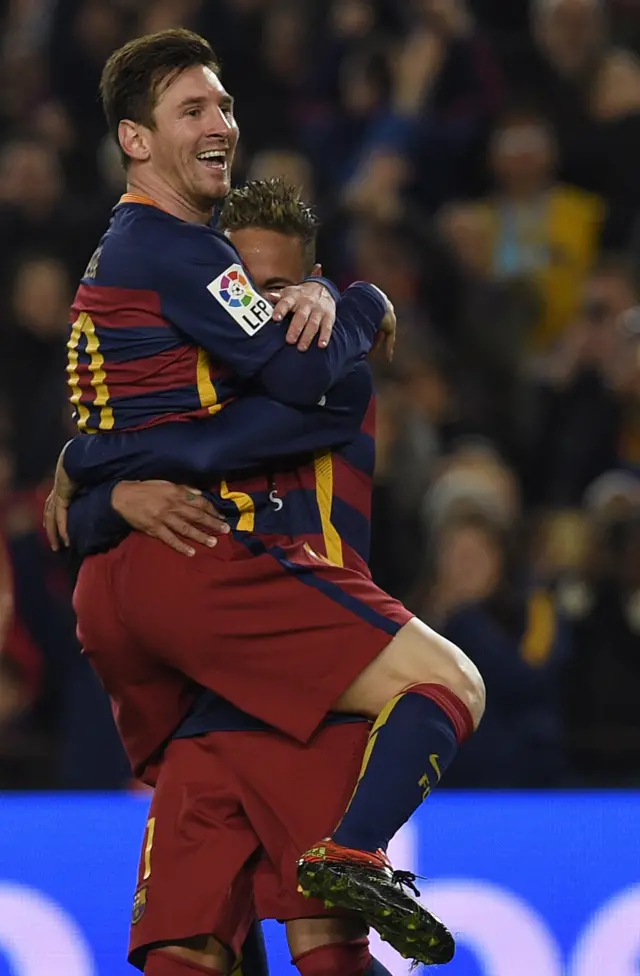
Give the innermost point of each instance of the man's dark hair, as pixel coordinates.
(135, 74)
(272, 205)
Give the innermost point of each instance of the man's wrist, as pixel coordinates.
(324, 283)
(115, 494)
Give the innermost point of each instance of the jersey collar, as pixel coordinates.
(138, 198)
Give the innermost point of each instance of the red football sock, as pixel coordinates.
(339, 959)
(161, 963)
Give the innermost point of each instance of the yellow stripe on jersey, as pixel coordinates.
(324, 496)
(98, 375)
(542, 625)
(73, 380)
(245, 505)
(206, 389)
(84, 326)
(150, 832)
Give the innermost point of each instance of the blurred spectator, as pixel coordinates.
(362, 84)
(287, 165)
(589, 402)
(6, 595)
(541, 231)
(472, 479)
(556, 65)
(36, 211)
(585, 86)
(615, 109)
(416, 424)
(83, 34)
(604, 680)
(491, 331)
(483, 599)
(447, 85)
(32, 366)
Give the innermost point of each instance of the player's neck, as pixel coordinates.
(164, 196)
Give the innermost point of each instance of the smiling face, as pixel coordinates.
(273, 259)
(188, 153)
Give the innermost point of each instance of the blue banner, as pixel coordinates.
(532, 884)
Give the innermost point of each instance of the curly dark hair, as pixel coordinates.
(135, 74)
(271, 205)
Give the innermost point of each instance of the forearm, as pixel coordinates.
(244, 434)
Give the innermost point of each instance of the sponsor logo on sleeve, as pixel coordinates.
(233, 290)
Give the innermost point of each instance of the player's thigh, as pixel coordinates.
(235, 618)
(417, 654)
(305, 934)
(195, 871)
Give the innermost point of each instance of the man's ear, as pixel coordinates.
(317, 271)
(133, 140)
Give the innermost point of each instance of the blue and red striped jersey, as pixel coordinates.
(307, 472)
(167, 325)
(130, 363)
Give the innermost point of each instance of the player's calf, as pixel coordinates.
(351, 958)
(304, 935)
(214, 960)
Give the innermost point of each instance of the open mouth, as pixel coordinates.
(213, 159)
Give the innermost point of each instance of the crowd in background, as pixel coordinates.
(479, 161)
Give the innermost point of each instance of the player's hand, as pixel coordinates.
(170, 513)
(314, 313)
(386, 337)
(56, 507)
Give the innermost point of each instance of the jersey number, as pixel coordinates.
(83, 326)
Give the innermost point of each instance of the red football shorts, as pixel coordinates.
(230, 815)
(278, 631)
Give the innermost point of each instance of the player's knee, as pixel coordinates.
(467, 684)
(416, 655)
(351, 958)
(428, 657)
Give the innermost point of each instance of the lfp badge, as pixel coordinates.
(235, 290)
(240, 300)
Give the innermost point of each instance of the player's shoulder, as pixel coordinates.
(145, 247)
(167, 237)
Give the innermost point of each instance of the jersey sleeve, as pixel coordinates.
(305, 377)
(244, 434)
(208, 296)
